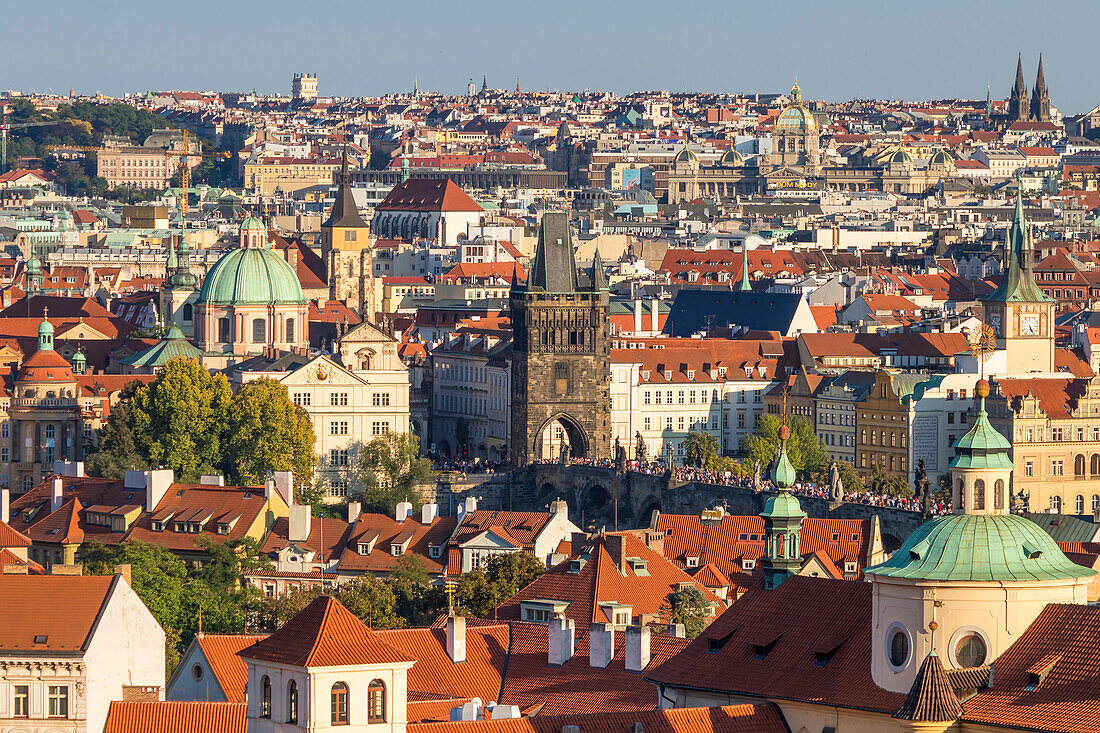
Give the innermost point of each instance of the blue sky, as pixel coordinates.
(838, 50)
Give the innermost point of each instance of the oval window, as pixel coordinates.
(970, 651)
(196, 672)
(899, 648)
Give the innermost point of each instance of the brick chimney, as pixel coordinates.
(613, 543)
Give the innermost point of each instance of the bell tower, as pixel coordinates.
(346, 250)
(1020, 314)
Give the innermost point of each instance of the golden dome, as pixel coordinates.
(796, 118)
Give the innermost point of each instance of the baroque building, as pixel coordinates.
(561, 369)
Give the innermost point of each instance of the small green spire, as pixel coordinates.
(746, 286)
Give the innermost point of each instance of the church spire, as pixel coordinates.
(1040, 97)
(1019, 109)
(783, 517)
(746, 286)
(599, 280)
(1018, 283)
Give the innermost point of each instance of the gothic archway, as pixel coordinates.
(558, 431)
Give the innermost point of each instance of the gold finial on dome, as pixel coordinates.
(796, 93)
(982, 388)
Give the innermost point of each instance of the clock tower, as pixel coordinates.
(1020, 314)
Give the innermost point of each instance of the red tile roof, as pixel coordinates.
(602, 579)
(324, 634)
(1060, 651)
(800, 619)
(330, 531)
(61, 608)
(230, 671)
(435, 676)
(760, 718)
(11, 537)
(382, 529)
(428, 194)
(1057, 397)
(176, 717)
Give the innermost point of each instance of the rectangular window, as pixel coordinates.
(338, 457)
(1029, 468)
(338, 399)
(302, 399)
(1056, 433)
(338, 427)
(21, 702)
(379, 427)
(680, 396)
(646, 397)
(1055, 467)
(58, 701)
(380, 399)
(646, 423)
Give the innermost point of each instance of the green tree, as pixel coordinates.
(267, 432)
(118, 452)
(475, 595)
(688, 607)
(700, 448)
(180, 419)
(372, 600)
(390, 470)
(418, 601)
(513, 571)
(804, 449)
(883, 482)
(724, 463)
(158, 576)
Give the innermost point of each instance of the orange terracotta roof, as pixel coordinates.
(61, 608)
(11, 537)
(176, 717)
(1058, 654)
(521, 528)
(796, 622)
(330, 531)
(435, 676)
(230, 671)
(824, 316)
(383, 529)
(759, 718)
(1056, 397)
(602, 579)
(428, 194)
(324, 634)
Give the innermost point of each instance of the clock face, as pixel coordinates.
(1029, 325)
(995, 321)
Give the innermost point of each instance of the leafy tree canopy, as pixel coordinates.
(804, 449)
(390, 470)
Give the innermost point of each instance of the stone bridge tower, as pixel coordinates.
(561, 370)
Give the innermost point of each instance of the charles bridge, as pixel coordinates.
(598, 498)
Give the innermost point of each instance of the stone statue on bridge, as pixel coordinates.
(836, 486)
(620, 457)
(641, 452)
(756, 484)
(921, 485)
(563, 456)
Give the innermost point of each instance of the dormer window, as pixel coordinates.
(435, 551)
(179, 526)
(850, 567)
(748, 564)
(396, 549)
(693, 562)
(223, 528)
(364, 548)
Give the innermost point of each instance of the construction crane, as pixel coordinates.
(185, 169)
(5, 127)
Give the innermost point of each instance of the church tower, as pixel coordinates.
(561, 369)
(1019, 109)
(177, 297)
(1040, 97)
(783, 517)
(1020, 314)
(346, 251)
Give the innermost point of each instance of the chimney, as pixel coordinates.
(577, 541)
(654, 309)
(501, 712)
(637, 316)
(456, 638)
(601, 645)
(468, 711)
(676, 631)
(69, 468)
(637, 727)
(269, 487)
(56, 484)
(613, 543)
(563, 639)
(66, 569)
(404, 510)
(5, 504)
(655, 541)
(301, 521)
(284, 484)
(126, 572)
(471, 504)
(429, 512)
(637, 648)
(212, 479)
(354, 510)
(560, 507)
(157, 483)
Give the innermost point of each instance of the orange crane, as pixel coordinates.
(185, 169)
(5, 127)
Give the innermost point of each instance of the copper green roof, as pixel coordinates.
(251, 276)
(976, 547)
(982, 446)
(1018, 284)
(173, 344)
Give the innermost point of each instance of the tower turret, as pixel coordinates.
(1040, 97)
(1019, 110)
(783, 517)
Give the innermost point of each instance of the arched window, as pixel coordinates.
(188, 312)
(1095, 502)
(1079, 465)
(290, 330)
(259, 328)
(1079, 505)
(223, 330)
(1056, 504)
(265, 697)
(979, 494)
(292, 702)
(1094, 464)
(340, 704)
(962, 495)
(999, 494)
(376, 702)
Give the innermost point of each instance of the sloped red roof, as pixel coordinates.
(428, 194)
(11, 537)
(324, 634)
(176, 717)
(759, 718)
(800, 619)
(229, 669)
(384, 529)
(1060, 651)
(61, 608)
(435, 675)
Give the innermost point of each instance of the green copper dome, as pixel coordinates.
(251, 276)
(796, 118)
(173, 345)
(252, 222)
(974, 547)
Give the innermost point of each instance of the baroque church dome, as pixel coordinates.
(796, 118)
(251, 274)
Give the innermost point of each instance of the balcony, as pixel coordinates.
(43, 402)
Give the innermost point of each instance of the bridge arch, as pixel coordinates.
(557, 430)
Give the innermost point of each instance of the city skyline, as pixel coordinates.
(361, 50)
